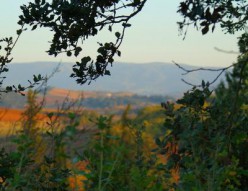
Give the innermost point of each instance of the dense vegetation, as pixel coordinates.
(198, 143)
(98, 100)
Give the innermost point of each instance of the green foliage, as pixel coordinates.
(211, 135)
(211, 132)
(7, 164)
(38, 161)
(118, 161)
(204, 137)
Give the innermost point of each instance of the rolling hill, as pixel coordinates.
(143, 79)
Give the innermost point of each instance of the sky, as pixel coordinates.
(153, 37)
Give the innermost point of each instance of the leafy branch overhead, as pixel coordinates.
(6, 47)
(205, 14)
(72, 22)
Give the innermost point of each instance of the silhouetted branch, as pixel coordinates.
(225, 51)
(187, 71)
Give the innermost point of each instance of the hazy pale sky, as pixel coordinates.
(153, 37)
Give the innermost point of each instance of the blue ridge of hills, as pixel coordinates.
(143, 79)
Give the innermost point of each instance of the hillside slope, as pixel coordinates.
(146, 79)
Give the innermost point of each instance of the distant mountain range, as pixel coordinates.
(143, 79)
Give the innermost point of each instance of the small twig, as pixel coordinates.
(225, 51)
(187, 71)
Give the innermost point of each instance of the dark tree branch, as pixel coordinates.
(75, 21)
(226, 51)
(187, 71)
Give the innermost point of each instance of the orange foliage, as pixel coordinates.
(10, 115)
(13, 115)
(76, 181)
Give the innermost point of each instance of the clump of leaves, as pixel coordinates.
(117, 159)
(39, 159)
(210, 135)
(207, 14)
(72, 22)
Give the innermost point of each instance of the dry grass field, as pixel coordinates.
(10, 120)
